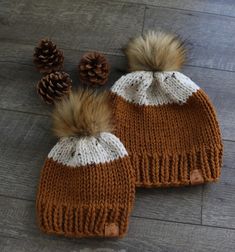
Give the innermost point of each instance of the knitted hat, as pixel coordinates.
(87, 183)
(166, 122)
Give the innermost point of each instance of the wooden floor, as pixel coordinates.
(199, 218)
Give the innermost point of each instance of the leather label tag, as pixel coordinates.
(196, 177)
(111, 230)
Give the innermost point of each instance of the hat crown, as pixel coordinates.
(155, 88)
(76, 152)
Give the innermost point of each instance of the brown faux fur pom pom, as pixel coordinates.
(83, 113)
(156, 51)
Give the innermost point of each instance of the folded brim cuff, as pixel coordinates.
(83, 221)
(191, 168)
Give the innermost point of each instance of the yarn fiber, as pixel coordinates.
(87, 184)
(169, 127)
(86, 188)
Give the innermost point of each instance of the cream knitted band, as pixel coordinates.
(154, 88)
(88, 150)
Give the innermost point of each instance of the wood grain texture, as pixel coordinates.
(17, 219)
(219, 201)
(193, 219)
(84, 24)
(18, 90)
(19, 77)
(24, 153)
(185, 203)
(25, 140)
(174, 204)
(219, 7)
(229, 154)
(210, 37)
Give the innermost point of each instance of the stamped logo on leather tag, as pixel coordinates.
(196, 177)
(111, 230)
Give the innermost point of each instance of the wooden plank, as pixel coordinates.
(220, 7)
(22, 54)
(96, 25)
(174, 204)
(211, 37)
(19, 78)
(17, 220)
(208, 37)
(18, 90)
(229, 154)
(25, 141)
(219, 201)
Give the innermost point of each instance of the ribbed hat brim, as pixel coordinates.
(94, 200)
(167, 143)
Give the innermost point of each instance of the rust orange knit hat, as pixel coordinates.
(166, 122)
(87, 183)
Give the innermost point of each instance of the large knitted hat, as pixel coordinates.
(87, 183)
(166, 122)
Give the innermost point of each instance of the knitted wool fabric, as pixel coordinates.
(166, 122)
(87, 183)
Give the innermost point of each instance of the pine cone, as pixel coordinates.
(54, 86)
(47, 57)
(93, 69)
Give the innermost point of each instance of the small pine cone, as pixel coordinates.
(47, 57)
(54, 86)
(93, 69)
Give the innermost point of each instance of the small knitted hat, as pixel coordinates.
(87, 183)
(166, 122)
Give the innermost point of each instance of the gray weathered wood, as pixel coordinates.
(199, 218)
(219, 201)
(211, 37)
(25, 142)
(73, 29)
(17, 219)
(175, 204)
(220, 7)
(19, 76)
(18, 92)
(86, 25)
(229, 154)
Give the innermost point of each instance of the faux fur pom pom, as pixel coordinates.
(156, 51)
(83, 113)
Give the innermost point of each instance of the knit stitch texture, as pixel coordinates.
(169, 127)
(86, 188)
